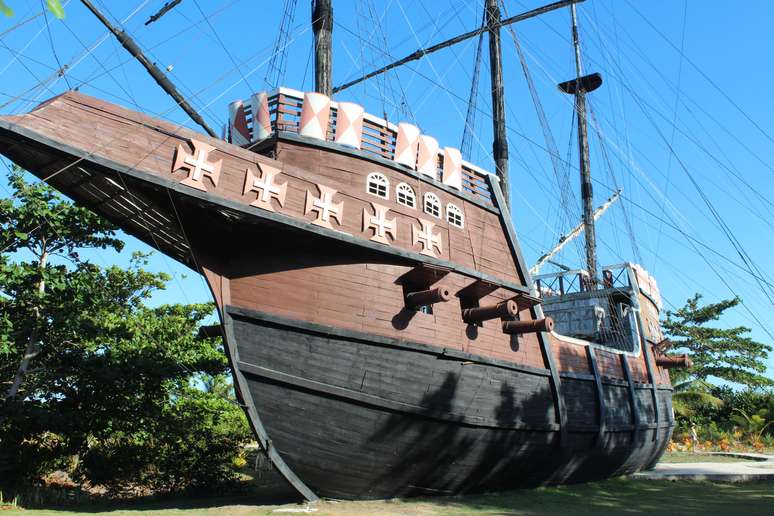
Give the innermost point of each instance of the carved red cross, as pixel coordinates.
(324, 207)
(197, 165)
(426, 237)
(265, 187)
(381, 225)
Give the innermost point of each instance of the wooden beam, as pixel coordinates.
(154, 71)
(322, 24)
(499, 134)
(422, 52)
(633, 399)
(601, 407)
(653, 387)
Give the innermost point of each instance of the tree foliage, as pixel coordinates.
(95, 381)
(729, 354)
(55, 6)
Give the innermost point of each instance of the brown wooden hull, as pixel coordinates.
(357, 416)
(351, 393)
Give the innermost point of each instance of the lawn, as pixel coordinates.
(685, 457)
(616, 496)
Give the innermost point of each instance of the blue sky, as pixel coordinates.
(682, 119)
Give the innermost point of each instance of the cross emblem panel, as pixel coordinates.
(265, 187)
(381, 225)
(198, 165)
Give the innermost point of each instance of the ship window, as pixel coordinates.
(378, 185)
(432, 204)
(404, 194)
(454, 215)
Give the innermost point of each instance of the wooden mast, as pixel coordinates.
(579, 87)
(322, 24)
(499, 136)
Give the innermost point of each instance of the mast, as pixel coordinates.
(322, 24)
(159, 76)
(499, 140)
(579, 86)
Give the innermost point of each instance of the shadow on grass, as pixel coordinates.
(617, 496)
(623, 496)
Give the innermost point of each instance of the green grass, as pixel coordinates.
(616, 496)
(685, 457)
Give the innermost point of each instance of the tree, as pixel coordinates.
(55, 6)
(39, 223)
(96, 382)
(725, 353)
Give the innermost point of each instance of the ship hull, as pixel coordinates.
(359, 416)
(351, 393)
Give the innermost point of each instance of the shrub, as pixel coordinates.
(194, 444)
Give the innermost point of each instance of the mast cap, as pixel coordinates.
(587, 83)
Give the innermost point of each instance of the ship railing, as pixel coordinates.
(378, 138)
(620, 276)
(562, 283)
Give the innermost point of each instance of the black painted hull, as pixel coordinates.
(357, 416)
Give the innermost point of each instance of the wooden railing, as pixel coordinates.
(378, 137)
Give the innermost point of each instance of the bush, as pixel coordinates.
(194, 444)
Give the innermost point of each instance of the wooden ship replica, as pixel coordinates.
(385, 335)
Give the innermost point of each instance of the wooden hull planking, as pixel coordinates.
(352, 394)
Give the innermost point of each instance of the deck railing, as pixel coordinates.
(378, 136)
(575, 281)
(620, 276)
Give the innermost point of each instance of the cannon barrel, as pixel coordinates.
(535, 326)
(427, 297)
(484, 313)
(674, 361)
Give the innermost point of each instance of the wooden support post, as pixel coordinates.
(210, 331)
(602, 416)
(632, 399)
(534, 326)
(653, 387)
(484, 313)
(427, 297)
(322, 24)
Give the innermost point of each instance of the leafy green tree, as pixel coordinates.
(693, 398)
(40, 225)
(725, 353)
(96, 382)
(55, 6)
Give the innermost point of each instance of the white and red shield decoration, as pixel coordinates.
(238, 132)
(406, 144)
(261, 117)
(315, 114)
(452, 167)
(349, 124)
(427, 159)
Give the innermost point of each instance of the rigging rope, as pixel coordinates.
(470, 116)
(276, 68)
